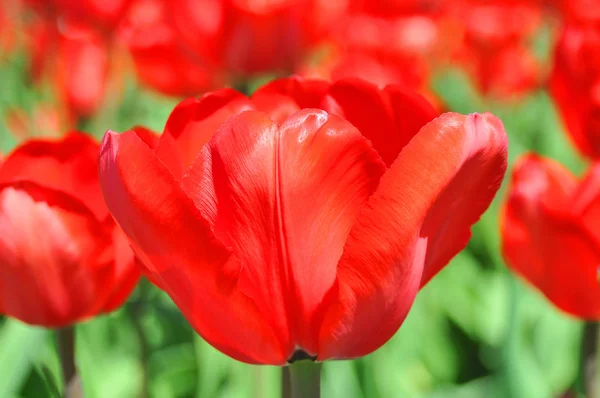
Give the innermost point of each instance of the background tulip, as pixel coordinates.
(574, 84)
(63, 259)
(550, 233)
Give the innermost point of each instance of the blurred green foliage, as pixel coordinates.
(474, 331)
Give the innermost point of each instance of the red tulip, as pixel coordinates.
(163, 59)
(577, 10)
(82, 69)
(303, 220)
(184, 47)
(62, 257)
(575, 85)
(496, 45)
(386, 51)
(74, 51)
(550, 233)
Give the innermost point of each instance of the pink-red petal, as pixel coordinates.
(68, 165)
(388, 118)
(284, 198)
(176, 246)
(398, 238)
(545, 240)
(283, 97)
(192, 123)
(56, 258)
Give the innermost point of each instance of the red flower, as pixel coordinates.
(577, 10)
(303, 220)
(163, 59)
(383, 51)
(76, 52)
(496, 45)
(575, 85)
(550, 233)
(62, 257)
(184, 47)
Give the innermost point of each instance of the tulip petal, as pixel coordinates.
(283, 97)
(162, 60)
(585, 202)
(417, 219)
(284, 198)
(573, 86)
(192, 123)
(546, 242)
(176, 246)
(51, 249)
(150, 137)
(126, 271)
(69, 165)
(388, 118)
(83, 58)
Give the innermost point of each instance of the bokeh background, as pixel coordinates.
(475, 331)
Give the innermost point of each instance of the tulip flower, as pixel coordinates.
(184, 47)
(495, 49)
(72, 44)
(575, 85)
(384, 51)
(162, 58)
(62, 258)
(550, 233)
(301, 222)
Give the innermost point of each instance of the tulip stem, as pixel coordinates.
(286, 384)
(137, 310)
(305, 380)
(66, 352)
(589, 360)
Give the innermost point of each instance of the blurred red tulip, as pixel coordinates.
(62, 257)
(402, 47)
(575, 85)
(185, 47)
(163, 58)
(496, 45)
(72, 45)
(303, 220)
(508, 73)
(82, 62)
(576, 11)
(383, 49)
(551, 234)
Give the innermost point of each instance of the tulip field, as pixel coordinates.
(299, 198)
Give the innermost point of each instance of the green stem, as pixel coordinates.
(305, 379)
(66, 351)
(137, 310)
(589, 360)
(286, 386)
